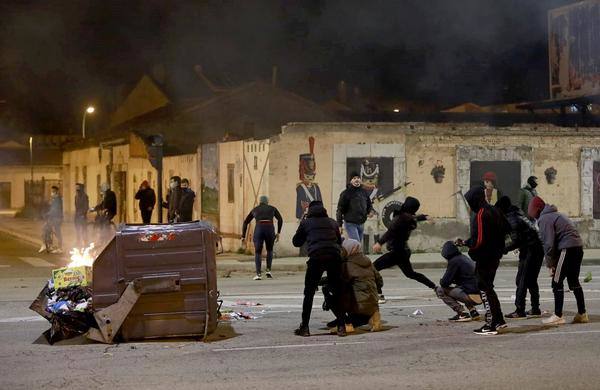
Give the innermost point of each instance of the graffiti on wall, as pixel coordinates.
(438, 172)
(376, 173)
(307, 189)
(498, 178)
(550, 174)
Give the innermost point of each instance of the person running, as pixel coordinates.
(396, 238)
(354, 206)
(322, 234)
(186, 206)
(264, 233)
(524, 237)
(458, 286)
(527, 193)
(147, 198)
(563, 250)
(486, 247)
(82, 205)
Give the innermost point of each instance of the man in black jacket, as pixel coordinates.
(82, 205)
(397, 237)
(354, 206)
(486, 247)
(524, 237)
(186, 206)
(173, 202)
(105, 212)
(323, 237)
(147, 199)
(264, 233)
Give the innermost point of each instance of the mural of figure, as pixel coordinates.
(369, 174)
(550, 174)
(438, 172)
(491, 191)
(307, 190)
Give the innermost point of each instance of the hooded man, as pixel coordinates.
(147, 199)
(527, 193)
(563, 251)
(524, 237)
(82, 205)
(354, 206)
(173, 199)
(106, 211)
(486, 247)
(264, 233)
(323, 239)
(186, 206)
(459, 285)
(396, 238)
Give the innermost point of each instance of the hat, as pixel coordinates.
(351, 246)
(411, 205)
(536, 206)
(353, 174)
(491, 176)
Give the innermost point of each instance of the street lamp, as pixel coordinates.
(89, 110)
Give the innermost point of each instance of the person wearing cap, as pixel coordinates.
(527, 193)
(396, 238)
(82, 205)
(563, 252)
(491, 192)
(264, 233)
(354, 206)
(147, 199)
(186, 206)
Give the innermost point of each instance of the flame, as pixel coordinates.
(81, 257)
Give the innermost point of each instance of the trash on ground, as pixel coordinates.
(237, 315)
(247, 303)
(417, 312)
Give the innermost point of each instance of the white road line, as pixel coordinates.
(4, 266)
(573, 332)
(22, 319)
(286, 346)
(37, 262)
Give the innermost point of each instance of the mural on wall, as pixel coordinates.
(438, 172)
(377, 173)
(550, 174)
(498, 178)
(307, 190)
(210, 183)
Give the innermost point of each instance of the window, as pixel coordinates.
(230, 183)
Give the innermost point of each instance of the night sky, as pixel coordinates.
(58, 56)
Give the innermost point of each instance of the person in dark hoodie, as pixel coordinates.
(563, 251)
(82, 205)
(354, 206)
(396, 238)
(323, 239)
(173, 202)
(186, 205)
(524, 237)
(147, 198)
(458, 286)
(264, 233)
(489, 228)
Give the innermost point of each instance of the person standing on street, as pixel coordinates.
(527, 193)
(82, 205)
(563, 250)
(173, 202)
(264, 233)
(486, 247)
(105, 212)
(147, 199)
(186, 206)
(322, 234)
(396, 238)
(354, 206)
(524, 237)
(54, 218)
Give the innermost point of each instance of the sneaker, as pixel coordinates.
(257, 277)
(381, 300)
(553, 320)
(534, 313)
(302, 331)
(341, 330)
(42, 248)
(332, 324)
(56, 251)
(500, 325)
(486, 330)
(516, 315)
(269, 274)
(581, 318)
(460, 317)
(474, 315)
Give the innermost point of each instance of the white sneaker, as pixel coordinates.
(42, 248)
(257, 277)
(269, 275)
(553, 320)
(381, 300)
(56, 251)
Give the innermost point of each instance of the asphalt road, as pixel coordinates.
(413, 352)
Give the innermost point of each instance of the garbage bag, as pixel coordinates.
(69, 324)
(41, 302)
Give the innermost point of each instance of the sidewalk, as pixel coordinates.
(29, 231)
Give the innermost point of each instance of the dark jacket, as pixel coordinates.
(173, 204)
(263, 212)
(321, 233)
(523, 233)
(353, 206)
(489, 227)
(186, 205)
(359, 273)
(403, 223)
(460, 270)
(147, 198)
(55, 211)
(82, 205)
(557, 233)
(108, 206)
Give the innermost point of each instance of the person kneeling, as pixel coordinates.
(460, 273)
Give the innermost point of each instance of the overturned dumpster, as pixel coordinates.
(154, 281)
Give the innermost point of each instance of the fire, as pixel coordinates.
(81, 257)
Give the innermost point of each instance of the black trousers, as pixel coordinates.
(317, 264)
(264, 234)
(146, 215)
(485, 270)
(401, 258)
(568, 267)
(530, 262)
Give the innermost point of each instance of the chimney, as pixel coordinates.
(274, 76)
(342, 95)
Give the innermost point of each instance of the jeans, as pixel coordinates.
(401, 258)
(485, 270)
(453, 297)
(263, 234)
(354, 231)
(569, 265)
(530, 262)
(52, 226)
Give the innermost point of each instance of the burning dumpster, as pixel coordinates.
(155, 281)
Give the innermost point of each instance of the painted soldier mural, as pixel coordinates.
(307, 190)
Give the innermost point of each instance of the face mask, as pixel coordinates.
(184, 186)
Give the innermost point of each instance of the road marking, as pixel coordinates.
(573, 332)
(286, 346)
(37, 262)
(4, 266)
(22, 319)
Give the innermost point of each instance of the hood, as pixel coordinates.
(316, 209)
(475, 197)
(549, 208)
(411, 205)
(504, 204)
(449, 250)
(536, 206)
(360, 260)
(351, 246)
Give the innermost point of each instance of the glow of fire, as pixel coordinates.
(81, 257)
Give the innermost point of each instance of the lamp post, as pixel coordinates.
(89, 110)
